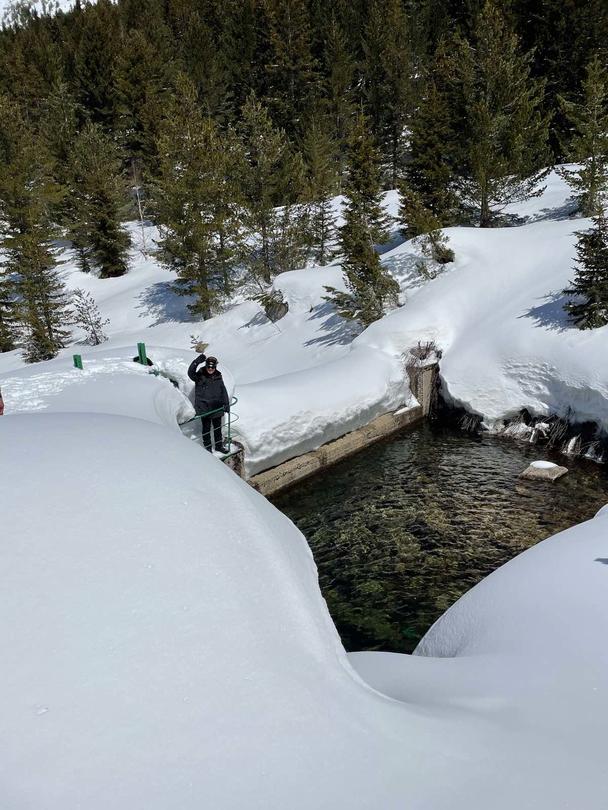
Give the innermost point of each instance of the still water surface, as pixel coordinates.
(404, 528)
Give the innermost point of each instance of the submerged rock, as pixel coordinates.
(544, 471)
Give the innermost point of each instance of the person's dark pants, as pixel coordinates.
(208, 421)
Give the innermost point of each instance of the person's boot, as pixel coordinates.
(221, 448)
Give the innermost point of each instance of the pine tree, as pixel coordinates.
(369, 287)
(434, 154)
(589, 118)
(269, 180)
(94, 50)
(28, 197)
(339, 101)
(505, 133)
(8, 314)
(97, 203)
(195, 201)
(388, 80)
(43, 300)
(321, 186)
(419, 221)
(87, 316)
(364, 185)
(591, 279)
(291, 68)
(143, 75)
(59, 126)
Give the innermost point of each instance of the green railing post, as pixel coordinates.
(77, 361)
(141, 351)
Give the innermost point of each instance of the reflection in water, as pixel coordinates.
(403, 529)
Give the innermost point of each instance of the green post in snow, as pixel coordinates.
(141, 351)
(77, 361)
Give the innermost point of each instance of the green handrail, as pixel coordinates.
(231, 418)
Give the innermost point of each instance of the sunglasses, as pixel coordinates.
(211, 365)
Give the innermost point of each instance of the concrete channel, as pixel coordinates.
(423, 381)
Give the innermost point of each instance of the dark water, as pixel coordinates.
(401, 530)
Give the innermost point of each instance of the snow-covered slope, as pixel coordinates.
(498, 316)
(496, 313)
(164, 640)
(165, 645)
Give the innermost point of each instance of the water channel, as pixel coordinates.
(404, 528)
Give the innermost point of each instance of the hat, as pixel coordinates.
(211, 361)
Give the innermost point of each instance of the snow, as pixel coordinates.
(495, 313)
(543, 465)
(163, 634)
(163, 631)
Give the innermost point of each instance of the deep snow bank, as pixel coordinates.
(497, 314)
(165, 645)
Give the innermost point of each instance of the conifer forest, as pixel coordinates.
(232, 124)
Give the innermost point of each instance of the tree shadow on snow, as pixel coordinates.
(569, 210)
(164, 304)
(551, 314)
(338, 331)
(259, 319)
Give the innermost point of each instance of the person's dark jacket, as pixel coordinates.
(209, 389)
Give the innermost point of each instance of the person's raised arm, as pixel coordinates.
(194, 365)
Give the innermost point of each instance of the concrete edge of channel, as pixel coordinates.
(291, 472)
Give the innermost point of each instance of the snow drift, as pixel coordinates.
(165, 644)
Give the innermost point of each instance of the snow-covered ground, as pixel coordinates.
(496, 313)
(165, 644)
(164, 640)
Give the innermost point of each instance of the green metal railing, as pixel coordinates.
(232, 418)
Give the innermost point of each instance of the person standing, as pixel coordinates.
(1, 403)
(209, 395)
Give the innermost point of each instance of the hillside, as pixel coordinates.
(495, 313)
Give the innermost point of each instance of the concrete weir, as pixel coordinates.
(290, 472)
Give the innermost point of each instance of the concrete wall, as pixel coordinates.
(297, 469)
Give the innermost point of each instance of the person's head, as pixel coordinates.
(210, 365)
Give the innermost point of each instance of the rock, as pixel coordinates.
(544, 471)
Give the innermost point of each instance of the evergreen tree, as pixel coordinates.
(194, 198)
(388, 82)
(338, 91)
(43, 300)
(143, 75)
(28, 197)
(364, 185)
(268, 182)
(321, 186)
(93, 54)
(291, 68)
(434, 154)
(97, 196)
(8, 314)
(589, 118)
(419, 221)
(591, 279)
(505, 133)
(59, 126)
(369, 287)
(87, 316)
